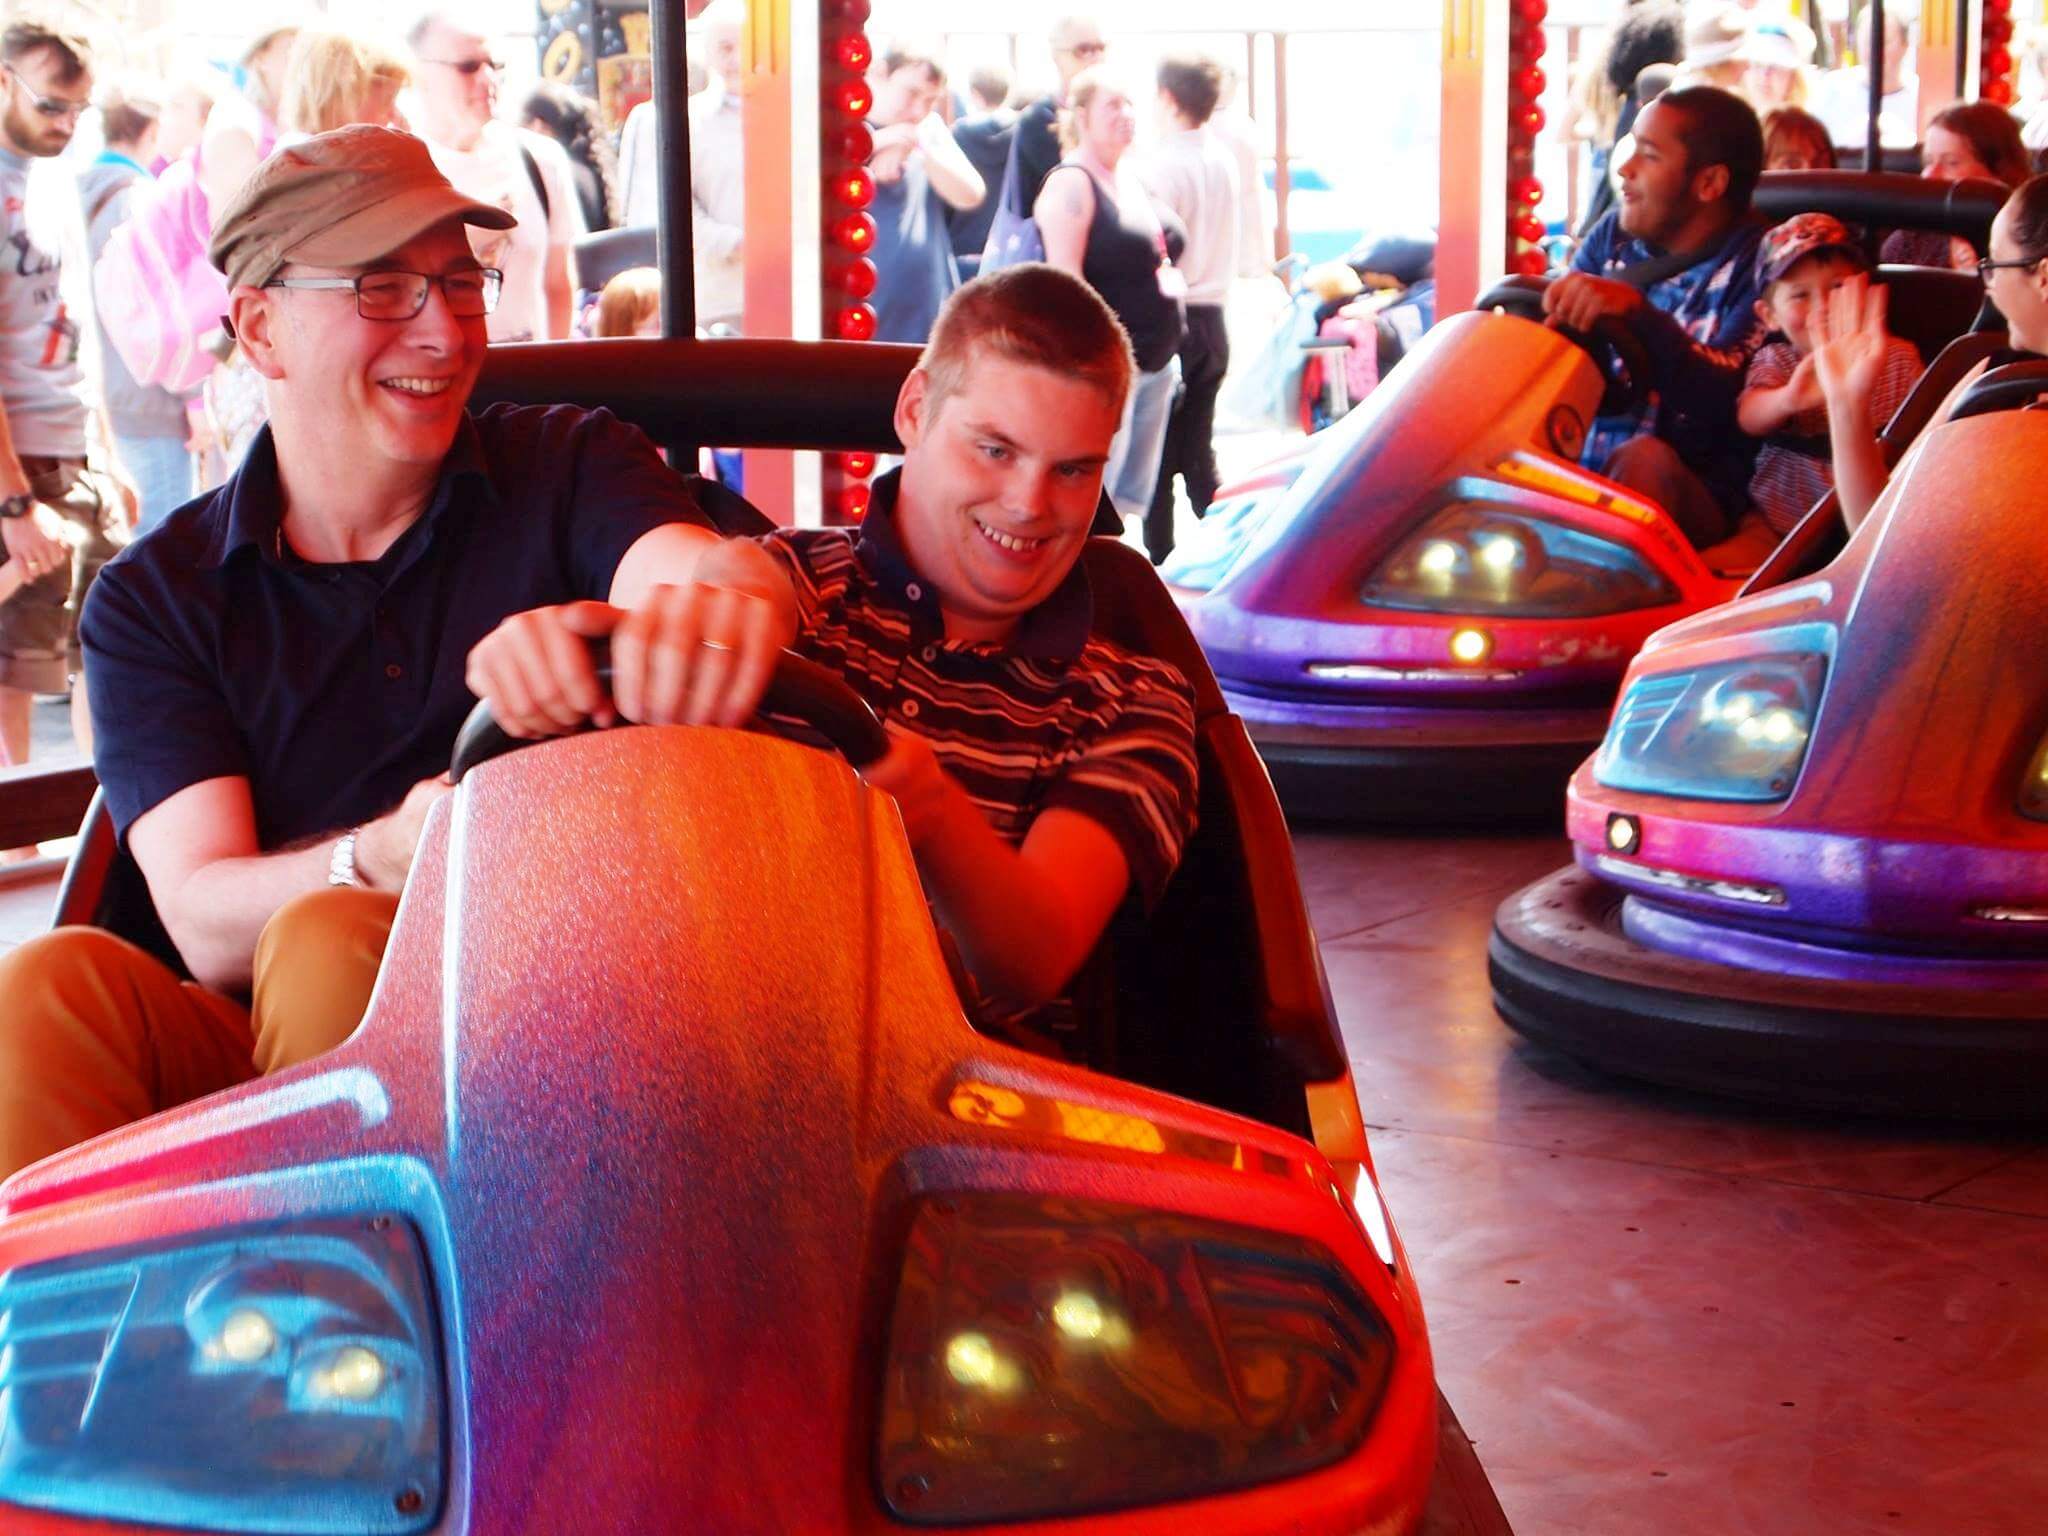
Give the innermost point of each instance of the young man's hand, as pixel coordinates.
(31, 545)
(1579, 299)
(385, 847)
(698, 653)
(910, 774)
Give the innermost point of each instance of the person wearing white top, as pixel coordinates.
(527, 174)
(1193, 173)
(718, 183)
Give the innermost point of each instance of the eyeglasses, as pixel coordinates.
(1986, 266)
(1087, 50)
(49, 106)
(471, 292)
(468, 66)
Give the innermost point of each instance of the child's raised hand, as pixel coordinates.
(1802, 390)
(1849, 341)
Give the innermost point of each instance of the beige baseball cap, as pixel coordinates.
(338, 199)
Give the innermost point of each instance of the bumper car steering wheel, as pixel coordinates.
(800, 689)
(1615, 349)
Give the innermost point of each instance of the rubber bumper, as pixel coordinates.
(1461, 1500)
(1565, 975)
(1422, 786)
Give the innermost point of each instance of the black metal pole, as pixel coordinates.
(673, 235)
(673, 231)
(1873, 148)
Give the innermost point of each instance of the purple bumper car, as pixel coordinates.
(1812, 851)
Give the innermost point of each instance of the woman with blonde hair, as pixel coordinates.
(1099, 223)
(336, 78)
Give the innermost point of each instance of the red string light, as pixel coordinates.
(855, 322)
(853, 98)
(856, 189)
(853, 503)
(858, 465)
(1526, 85)
(855, 232)
(855, 53)
(858, 277)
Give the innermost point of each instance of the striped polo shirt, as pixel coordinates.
(1053, 717)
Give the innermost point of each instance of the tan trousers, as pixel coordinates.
(96, 1034)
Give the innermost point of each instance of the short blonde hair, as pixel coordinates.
(1031, 313)
(332, 77)
(629, 300)
(1087, 85)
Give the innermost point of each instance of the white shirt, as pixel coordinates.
(1843, 103)
(1255, 219)
(1192, 173)
(718, 194)
(495, 172)
(42, 385)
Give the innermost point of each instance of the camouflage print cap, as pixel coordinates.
(1786, 245)
(339, 199)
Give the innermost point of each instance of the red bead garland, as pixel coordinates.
(846, 145)
(1994, 56)
(1526, 84)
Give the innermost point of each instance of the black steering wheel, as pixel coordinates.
(2014, 387)
(800, 689)
(1614, 348)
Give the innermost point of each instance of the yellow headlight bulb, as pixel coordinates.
(1471, 646)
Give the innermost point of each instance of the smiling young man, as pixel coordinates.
(1042, 773)
(280, 668)
(1676, 263)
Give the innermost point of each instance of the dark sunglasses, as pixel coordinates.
(468, 66)
(49, 106)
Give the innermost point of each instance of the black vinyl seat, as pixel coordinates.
(1221, 993)
(595, 260)
(1930, 306)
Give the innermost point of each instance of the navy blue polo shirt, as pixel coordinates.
(333, 688)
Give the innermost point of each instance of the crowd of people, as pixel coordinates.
(112, 421)
(1771, 369)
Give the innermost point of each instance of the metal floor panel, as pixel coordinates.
(1661, 1313)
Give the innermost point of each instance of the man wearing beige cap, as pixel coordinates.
(279, 669)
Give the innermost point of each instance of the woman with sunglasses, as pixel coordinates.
(1849, 336)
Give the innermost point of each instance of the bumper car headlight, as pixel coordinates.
(1737, 731)
(1480, 558)
(1059, 1357)
(281, 1378)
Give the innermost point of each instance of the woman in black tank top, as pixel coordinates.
(1098, 222)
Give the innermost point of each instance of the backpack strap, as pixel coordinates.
(540, 185)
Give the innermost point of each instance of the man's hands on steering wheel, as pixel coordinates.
(699, 653)
(1577, 301)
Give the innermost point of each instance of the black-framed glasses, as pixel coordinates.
(468, 66)
(49, 106)
(1087, 50)
(1986, 266)
(470, 293)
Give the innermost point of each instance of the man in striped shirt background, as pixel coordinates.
(1043, 773)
